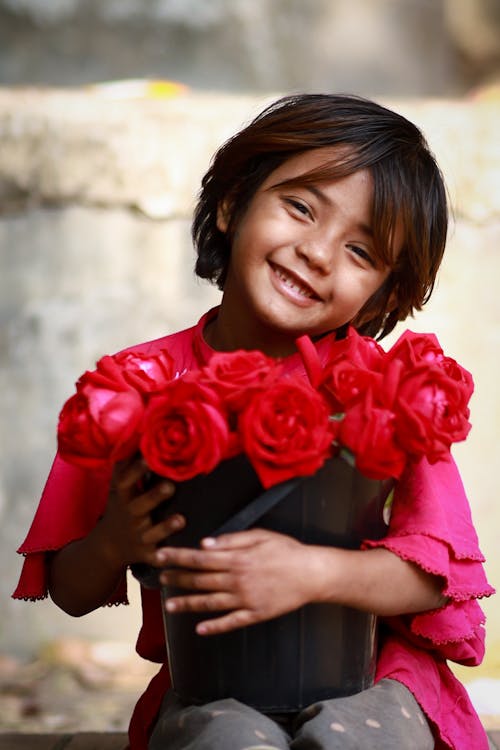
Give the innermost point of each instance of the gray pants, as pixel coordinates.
(385, 717)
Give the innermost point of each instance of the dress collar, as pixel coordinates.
(292, 364)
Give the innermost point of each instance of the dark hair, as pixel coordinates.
(408, 190)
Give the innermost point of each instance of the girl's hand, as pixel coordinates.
(250, 575)
(85, 573)
(256, 575)
(126, 524)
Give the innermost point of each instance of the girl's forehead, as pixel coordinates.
(306, 163)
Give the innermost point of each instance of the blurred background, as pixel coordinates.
(109, 114)
(404, 47)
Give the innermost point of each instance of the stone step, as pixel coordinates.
(58, 741)
(103, 741)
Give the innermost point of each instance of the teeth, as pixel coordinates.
(291, 284)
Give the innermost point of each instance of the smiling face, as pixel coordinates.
(302, 259)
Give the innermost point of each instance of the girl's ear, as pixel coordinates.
(223, 217)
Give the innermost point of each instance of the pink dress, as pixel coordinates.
(430, 525)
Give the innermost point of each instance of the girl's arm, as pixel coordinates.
(84, 574)
(259, 574)
(375, 581)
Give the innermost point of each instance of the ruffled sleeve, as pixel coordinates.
(75, 498)
(71, 504)
(431, 525)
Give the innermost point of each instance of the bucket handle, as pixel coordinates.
(257, 507)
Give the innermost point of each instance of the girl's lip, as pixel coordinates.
(294, 285)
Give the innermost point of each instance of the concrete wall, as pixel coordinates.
(95, 254)
(408, 47)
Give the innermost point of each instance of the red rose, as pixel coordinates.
(185, 431)
(286, 432)
(108, 374)
(361, 351)
(369, 432)
(99, 424)
(459, 374)
(236, 376)
(432, 411)
(416, 348)
(146, 373)
(345, 384)
(353, 367)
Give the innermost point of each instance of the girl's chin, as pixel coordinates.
(290, 322)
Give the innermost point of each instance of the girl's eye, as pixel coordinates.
(362, 253)
(302, 208)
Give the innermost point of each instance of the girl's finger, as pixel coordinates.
(195, 581)
(237, 540)
(218, 602)
(147, 501)
(238, 618)
(160, 531)
(127, 473)
(194, 559)
(125, 480)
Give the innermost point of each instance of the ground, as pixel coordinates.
(72, 686)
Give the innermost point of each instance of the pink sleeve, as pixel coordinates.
(71, 504)
(431, 525)
(75, 498)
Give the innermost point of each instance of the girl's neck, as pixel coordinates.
(220, 335)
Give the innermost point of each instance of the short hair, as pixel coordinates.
(409, 190)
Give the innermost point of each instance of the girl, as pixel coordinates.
(324, 211)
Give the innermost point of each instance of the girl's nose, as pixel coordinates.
(316, 254)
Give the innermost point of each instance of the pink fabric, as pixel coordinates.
(430, 525)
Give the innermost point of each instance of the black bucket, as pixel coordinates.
(317, 652)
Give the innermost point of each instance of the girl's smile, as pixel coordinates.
(302, 259)
(291, 285)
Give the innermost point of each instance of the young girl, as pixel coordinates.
(324, 211)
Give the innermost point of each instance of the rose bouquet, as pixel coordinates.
(382, 408)
(235, 436)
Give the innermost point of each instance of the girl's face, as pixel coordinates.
(302, 259)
